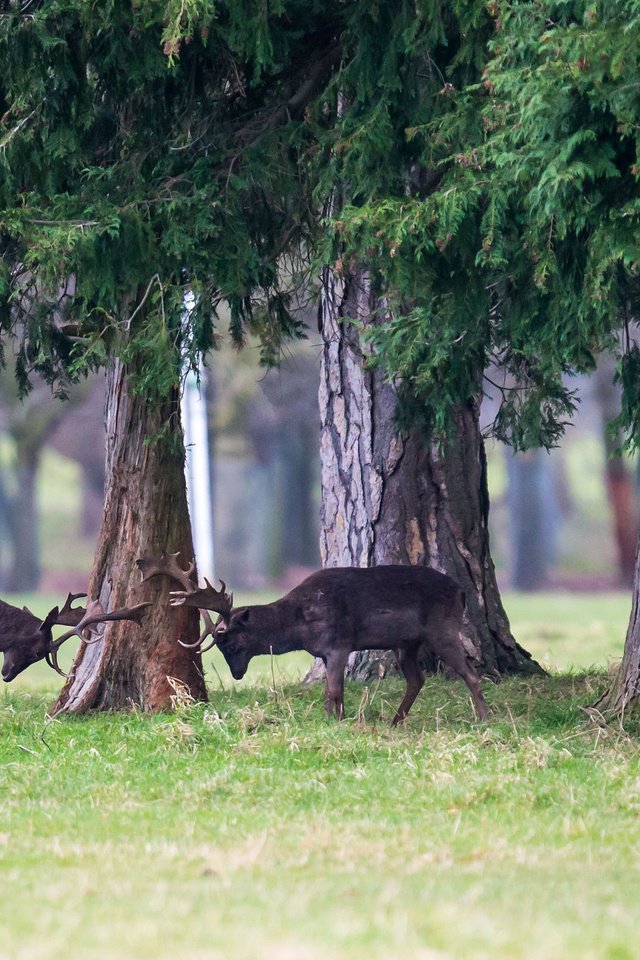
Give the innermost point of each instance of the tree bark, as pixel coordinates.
(145, 511)
(624, 693)
(391, 497)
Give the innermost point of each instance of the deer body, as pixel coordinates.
(336, 611)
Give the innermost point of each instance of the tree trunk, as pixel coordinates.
(390, 497)
(30, 422)
(618, 479)
(624, 693)
(145, 511)
(299, 451)
(24, 573)
(528, 532)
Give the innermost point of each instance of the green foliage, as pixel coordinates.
(480, 161)
(563, 144)
(628, 375)
(141, 160)
(491, 189)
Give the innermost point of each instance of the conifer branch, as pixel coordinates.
(284, 112)
(11, 133)
(81, 224)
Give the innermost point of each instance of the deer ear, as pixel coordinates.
(50, 620)
(244, 616)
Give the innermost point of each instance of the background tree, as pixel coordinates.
(567, 140)
(618, 477)
(529, 506)
(79, 438)
(29, 423)
(128, 179)
(170, 179)
(283, 428)
(396, 490)
(536, 223)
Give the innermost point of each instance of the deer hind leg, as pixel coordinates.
(454, 656)
(408, 661)
(472, 680)
(334, 683)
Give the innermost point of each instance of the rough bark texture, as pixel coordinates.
(624, 693)
(145, 511)
(388, 497)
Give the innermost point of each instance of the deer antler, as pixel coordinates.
(166, 565)
(204, 599)
(208, 597)
(93, 614)
(71, 616)
(67, 617)
(209, 631)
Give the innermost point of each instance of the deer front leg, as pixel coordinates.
(334, 683)
(408, 661)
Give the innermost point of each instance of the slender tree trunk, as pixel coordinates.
(624, 693)
(390, 497)
(145, 511)
(527, 504)
(298, 513)
(618, 479)
(5, 533)
(24, 572)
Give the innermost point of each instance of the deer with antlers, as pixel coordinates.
(25, 639)
(334, 612)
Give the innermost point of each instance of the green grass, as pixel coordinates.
(251, 827)
(570, 631)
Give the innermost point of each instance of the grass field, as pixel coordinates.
(251, 827)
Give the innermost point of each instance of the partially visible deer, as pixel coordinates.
(25, 639)
(336, 611)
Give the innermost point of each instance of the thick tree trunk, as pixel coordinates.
(145, 511)
(389, 497)
(624, 693)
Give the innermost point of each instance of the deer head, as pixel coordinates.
(25, 639)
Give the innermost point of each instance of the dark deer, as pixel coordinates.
(336, 611)
(25, 639)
